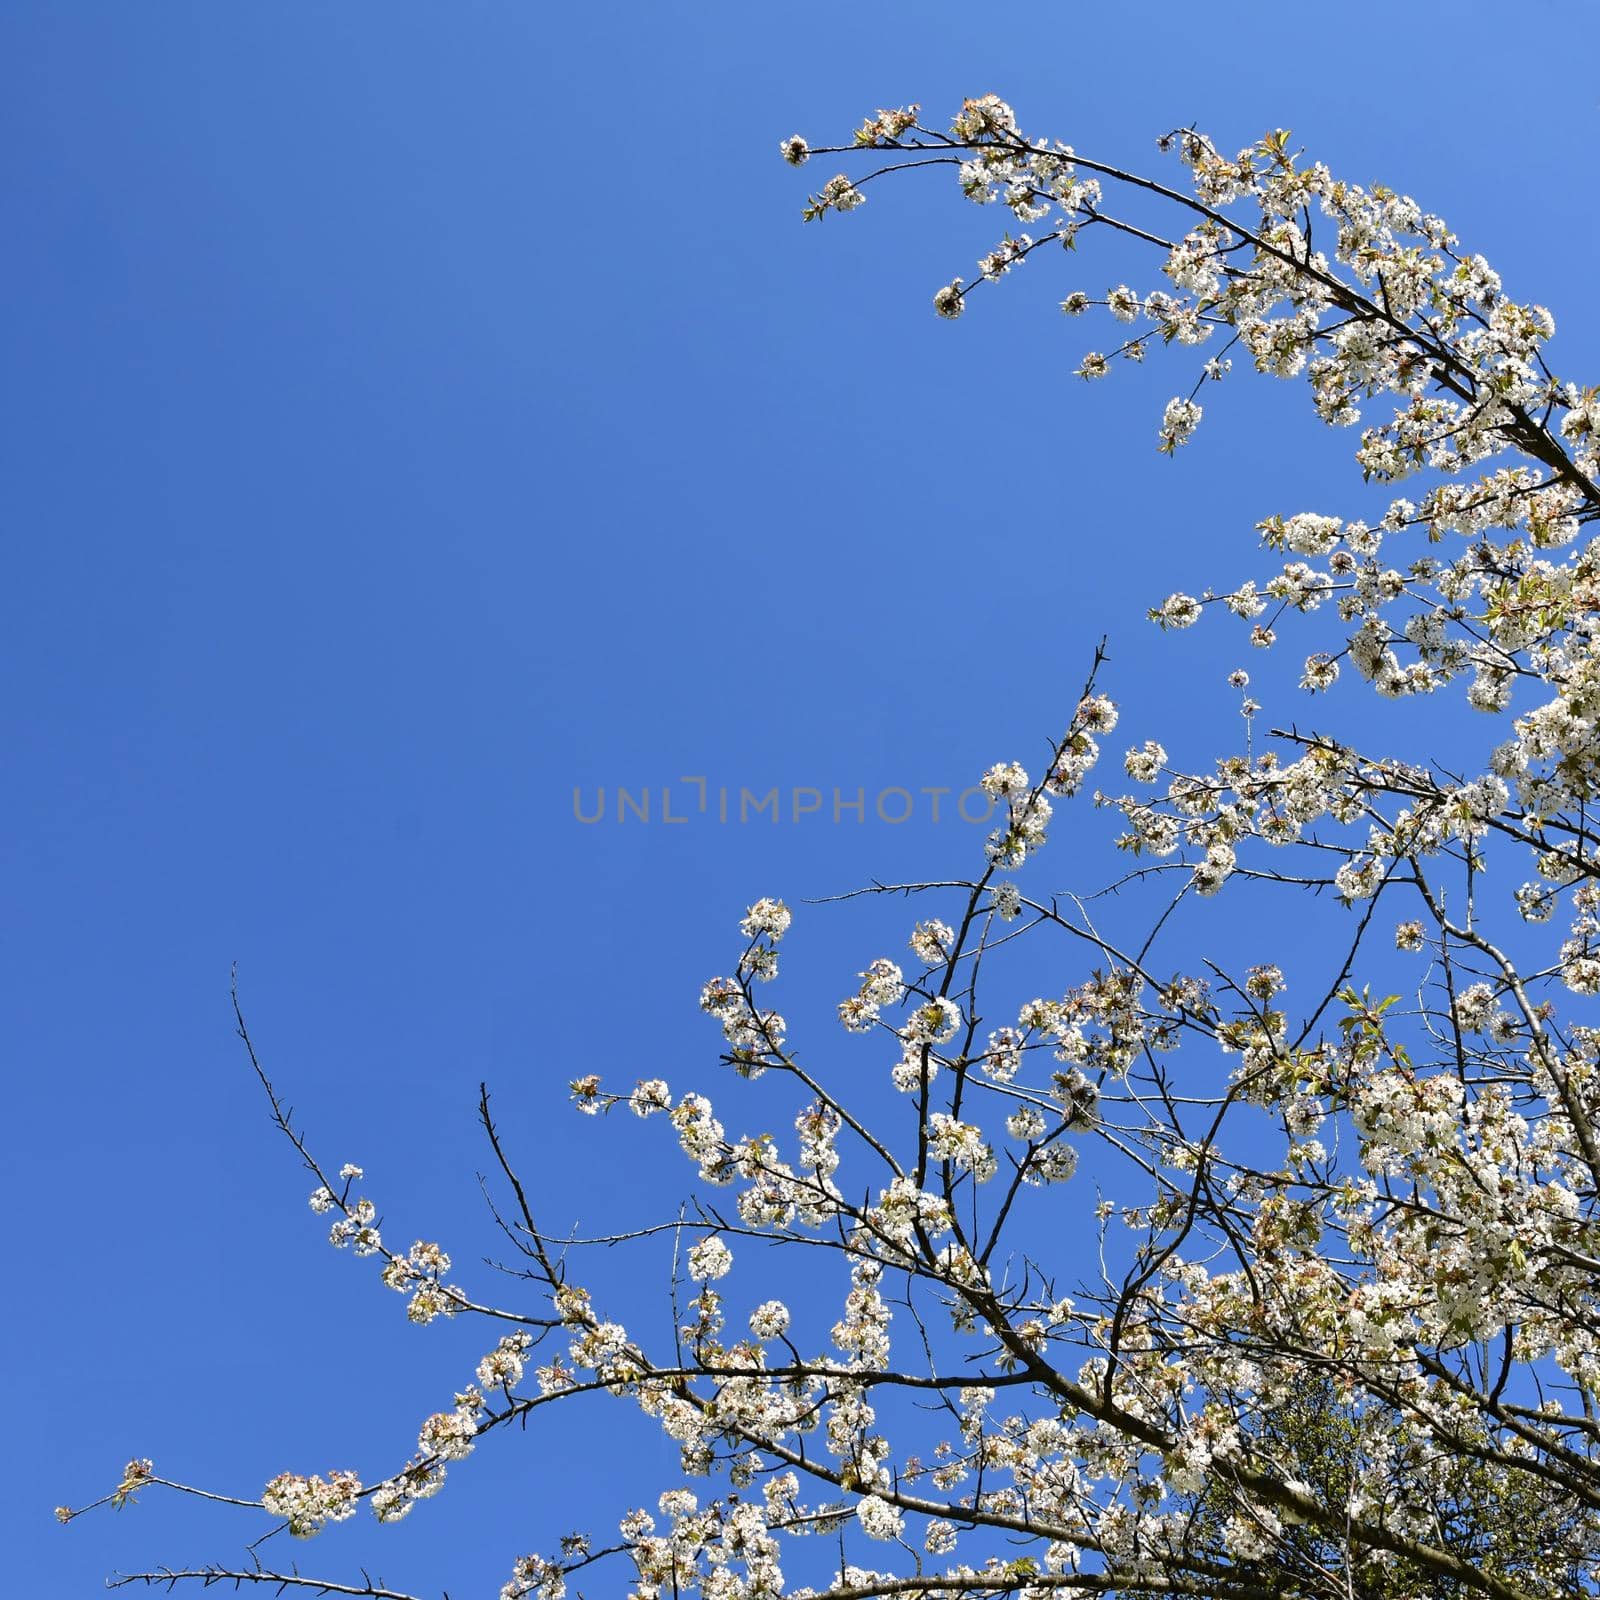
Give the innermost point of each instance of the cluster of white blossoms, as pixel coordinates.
(420, 1272)
(769, 1320)
(503, 1366)
(307, 1504)
(1178, 423)
(882, 984)
(755, 1036)
(962, 1145)
(709, 1259)
(878, 1518)
(534, 1578)
(1028, 804)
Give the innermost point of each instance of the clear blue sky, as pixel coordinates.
(413, 411)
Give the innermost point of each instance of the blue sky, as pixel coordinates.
(413, 413)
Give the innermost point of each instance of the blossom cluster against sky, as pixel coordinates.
(414, 415)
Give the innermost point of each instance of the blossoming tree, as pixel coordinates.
(1329, 1321)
